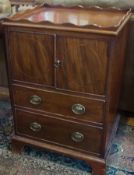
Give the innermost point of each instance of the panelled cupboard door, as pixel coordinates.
(32, 57)
(83, 64)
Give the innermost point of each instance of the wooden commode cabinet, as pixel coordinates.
(65, 66)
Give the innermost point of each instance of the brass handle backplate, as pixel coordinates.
(35, 100)
(57, 63)
(77, 137)
(78, 109)
(36, 127)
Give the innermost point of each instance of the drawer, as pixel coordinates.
(58, 131)
(75, 107)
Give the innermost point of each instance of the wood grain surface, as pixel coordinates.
(34, 61)
(83, 64)
(58, 131)
(60, 104)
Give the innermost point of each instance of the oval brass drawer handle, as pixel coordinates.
(34, 126)
(35, 100)
(78, 109)
(77, 137)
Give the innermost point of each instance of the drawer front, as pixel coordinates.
(61, 104)
(62, 132)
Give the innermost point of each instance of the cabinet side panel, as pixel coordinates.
(115, 80)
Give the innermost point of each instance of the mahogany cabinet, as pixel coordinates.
(65, 70)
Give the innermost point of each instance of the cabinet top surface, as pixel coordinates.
(89, 18)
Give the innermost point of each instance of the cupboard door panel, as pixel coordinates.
(32, 57)
(83, 64)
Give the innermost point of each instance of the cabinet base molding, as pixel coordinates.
(97, 164)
